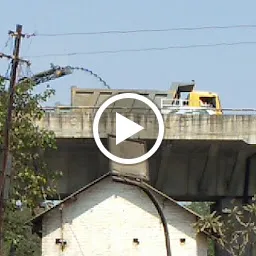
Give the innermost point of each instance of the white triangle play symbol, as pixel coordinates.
(125, 128)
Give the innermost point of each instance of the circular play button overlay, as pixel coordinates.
(125, 128)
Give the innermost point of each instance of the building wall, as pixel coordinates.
(107, 219)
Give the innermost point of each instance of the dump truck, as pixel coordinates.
(180, 99)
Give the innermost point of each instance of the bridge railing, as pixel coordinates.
(170, 103)
(67, 109)
(88, 108)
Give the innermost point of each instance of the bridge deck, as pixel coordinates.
(78, 124)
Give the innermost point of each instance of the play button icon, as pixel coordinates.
(125, 128)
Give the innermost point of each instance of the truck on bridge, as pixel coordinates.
(181, 99)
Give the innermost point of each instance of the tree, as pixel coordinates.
(235, 231)
(203, 209)
(31, 179)
(18, 235)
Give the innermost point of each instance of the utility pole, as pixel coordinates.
(8, 125)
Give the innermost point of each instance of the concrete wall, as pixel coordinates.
(78, 124)
(106, 218)
(80, 161)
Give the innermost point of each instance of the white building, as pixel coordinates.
(113, 216)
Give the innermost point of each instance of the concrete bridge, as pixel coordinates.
(78, 124)
(209, 158)
(201, 157)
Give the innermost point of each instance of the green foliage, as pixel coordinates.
(236, 231)
(31, 179)
(18, 234)
(203, 209)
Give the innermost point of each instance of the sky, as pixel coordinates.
(228, 71)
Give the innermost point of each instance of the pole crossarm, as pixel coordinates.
(14, 34)
(10, 57)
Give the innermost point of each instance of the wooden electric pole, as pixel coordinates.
(8, 126)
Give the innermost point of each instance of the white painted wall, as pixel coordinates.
(106, 218)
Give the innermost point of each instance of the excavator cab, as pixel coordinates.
(184, 99)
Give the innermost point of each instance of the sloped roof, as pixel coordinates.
(39, 217)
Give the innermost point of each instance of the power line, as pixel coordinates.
(142, 49)
(242, 26)
(6, 43)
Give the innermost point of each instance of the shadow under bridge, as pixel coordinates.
(190, 170)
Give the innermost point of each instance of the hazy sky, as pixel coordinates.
(229, 71)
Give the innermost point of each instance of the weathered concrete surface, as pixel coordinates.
(183, 169)
(78, 124)
(129, 149)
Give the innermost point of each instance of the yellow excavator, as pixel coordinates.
(183, 99)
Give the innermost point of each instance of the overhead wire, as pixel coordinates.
(143, 49)
(6, 76)
(9, 39)
(29, 44)
(21, 71)
(8, 69)
(29, 72)
(241, 26)
(6, 43)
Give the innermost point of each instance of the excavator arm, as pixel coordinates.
(56, 72)
(48, 75)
